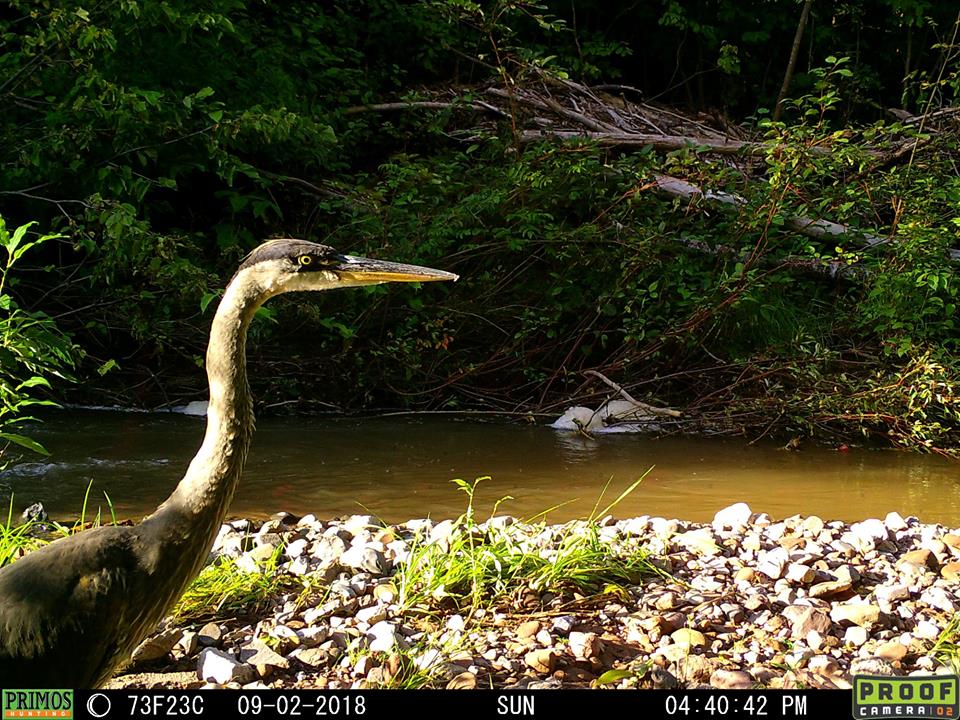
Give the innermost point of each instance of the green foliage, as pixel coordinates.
(166, 138)
(481, 566)
(225, 590)
(32, 348)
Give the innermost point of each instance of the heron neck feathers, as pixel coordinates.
(190, 518)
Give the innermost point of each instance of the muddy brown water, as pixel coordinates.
(401, 467)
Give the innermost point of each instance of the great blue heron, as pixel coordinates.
(74, 610)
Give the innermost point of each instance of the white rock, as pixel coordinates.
(367, 559)
(383, 636)
(889, 594)
(455, 623)
(635, 526)
(937, 597)
(733, 517)
(328, 549)
(297, 548)
(799, 573)
(501, 522)
(372, 614)
(894, 521)
(926, 630)
(585, 645)
(300, 566)
(564, 624)
(222, 667)
(871, 529)
(856, 635)
(356, 524)
(772, 563)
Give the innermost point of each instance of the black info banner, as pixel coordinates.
(391, 704)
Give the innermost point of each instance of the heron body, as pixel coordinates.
(74, 610)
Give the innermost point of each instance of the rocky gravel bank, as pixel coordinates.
(744, 601)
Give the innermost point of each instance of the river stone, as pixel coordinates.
(938, 598)
(689, 637)
(804, 619)
(357, 524)
(297, 548)
(542, 661)
(563, 625)
(314, 657)
(222, 667)
(856, 635)
(667, 601)
(773, 563)
(889, 594)
(528, 629)
(812, 526)
(664, 528)
(366, 559)
(585, 645)
(262, 657)
(156, 647)
(871, 529)
(872, 666)
(209, 634)
(695, 668)
(892, 651)
(382, 636)
(500, 522)
(731, 680)
(463, 681)
(799, 573)
(950, 572)
(328, 549)
(733, 517)
(863, 615)
(371, 615)
(829, 588)
(922, 557)
(894, 521)
(823, 664)
(847, 573)
(926, 630)
(699, 542)
(745, 574)
(187, 644)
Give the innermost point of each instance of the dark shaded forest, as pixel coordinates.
(744, 210)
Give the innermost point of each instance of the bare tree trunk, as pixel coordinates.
(792, 63)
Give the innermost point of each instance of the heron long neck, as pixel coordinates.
(189, 519)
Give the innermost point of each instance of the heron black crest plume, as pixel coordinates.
(73, 611)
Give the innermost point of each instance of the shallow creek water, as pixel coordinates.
(400, 467)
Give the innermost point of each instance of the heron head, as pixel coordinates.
(291, 265)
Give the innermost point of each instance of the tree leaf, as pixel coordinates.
(614, 676)
(25, 442)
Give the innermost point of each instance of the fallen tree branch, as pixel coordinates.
(834, 269)
(658, 142)
(651, 409)
(815, 228)
(427, 104)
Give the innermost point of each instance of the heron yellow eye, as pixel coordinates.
(305, 260)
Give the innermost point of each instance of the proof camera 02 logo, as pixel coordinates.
(38, 704)
(934, 696)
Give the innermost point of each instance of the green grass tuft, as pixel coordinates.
(481, 566)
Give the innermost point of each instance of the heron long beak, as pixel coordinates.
(368, 270)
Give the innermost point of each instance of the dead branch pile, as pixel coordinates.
(545, 106)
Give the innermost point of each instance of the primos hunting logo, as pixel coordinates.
(925, 697)
(37, 704)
